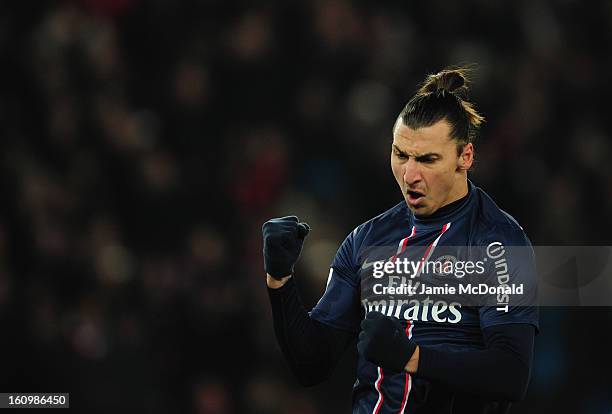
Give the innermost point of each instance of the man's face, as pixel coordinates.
(427, 168)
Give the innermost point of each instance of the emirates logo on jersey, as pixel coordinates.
(425, 310)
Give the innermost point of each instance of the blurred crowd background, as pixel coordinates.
(145, 142)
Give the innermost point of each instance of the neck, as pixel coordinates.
(449, 206)
(459, 191)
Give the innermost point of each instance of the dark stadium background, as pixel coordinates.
(145, 142)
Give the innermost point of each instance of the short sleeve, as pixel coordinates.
(339, 306)
(510, 261)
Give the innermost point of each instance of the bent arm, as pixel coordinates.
(501, 371)
(311, 348)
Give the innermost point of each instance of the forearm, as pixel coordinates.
(412, 366)
(491, 373)
(499, 372)
(311, 348)
(276, 283)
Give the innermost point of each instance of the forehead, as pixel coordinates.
(434, 138)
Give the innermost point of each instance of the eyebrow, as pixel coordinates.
(421, 157)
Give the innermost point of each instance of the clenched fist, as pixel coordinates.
(282, 243)
(383, 342)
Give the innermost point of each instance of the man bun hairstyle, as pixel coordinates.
(444, 96)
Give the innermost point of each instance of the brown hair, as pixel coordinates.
(444, 96)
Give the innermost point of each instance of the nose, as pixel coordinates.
(412, 172)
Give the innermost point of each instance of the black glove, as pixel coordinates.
(282, 243)
(383, 342)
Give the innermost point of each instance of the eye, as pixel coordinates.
(400, 155)
(428, 159)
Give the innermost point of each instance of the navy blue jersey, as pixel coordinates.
(471, 230)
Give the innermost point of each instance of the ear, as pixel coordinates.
(466, 158)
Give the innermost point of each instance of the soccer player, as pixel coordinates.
(416, 355)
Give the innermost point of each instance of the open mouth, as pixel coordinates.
(414, 196)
